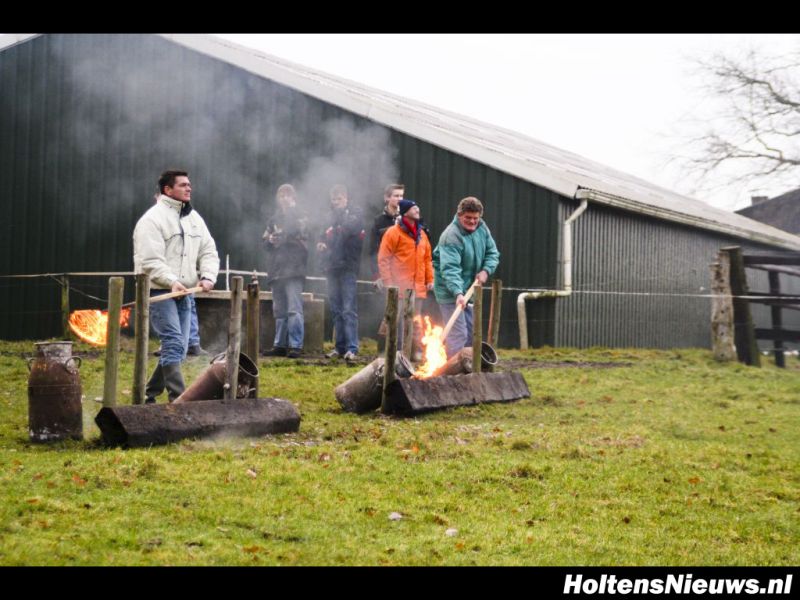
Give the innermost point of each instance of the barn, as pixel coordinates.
(593, 256)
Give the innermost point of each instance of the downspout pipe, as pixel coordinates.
(566, 254)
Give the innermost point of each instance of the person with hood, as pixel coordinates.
(404, 260)
(340, 246)
(285, 242)
(466, 253)
(172, 245)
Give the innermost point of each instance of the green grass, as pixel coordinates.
(671, 460)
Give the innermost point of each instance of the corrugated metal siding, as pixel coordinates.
(629, 275)
(87, 123)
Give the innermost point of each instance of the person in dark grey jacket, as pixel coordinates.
(285, 242)
(340, 245)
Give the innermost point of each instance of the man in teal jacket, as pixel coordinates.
(466, 253)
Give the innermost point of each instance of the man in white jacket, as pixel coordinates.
(173, 246)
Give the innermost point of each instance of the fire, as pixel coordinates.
(91, 325)
(435, 355)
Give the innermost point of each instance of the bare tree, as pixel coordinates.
(755, 137)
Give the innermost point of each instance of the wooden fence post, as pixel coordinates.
(777, 319)
(408, 323)
(234, 340)
(253, 325)
(744, 332)
(477, 327)
(392, 301)
(115, 288)
(494, 312)
(65, 307)
(142, 337)
(722, 310)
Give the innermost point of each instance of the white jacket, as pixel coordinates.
(172, 248)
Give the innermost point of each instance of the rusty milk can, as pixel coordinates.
(54, 393)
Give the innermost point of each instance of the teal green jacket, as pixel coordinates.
(458, 257)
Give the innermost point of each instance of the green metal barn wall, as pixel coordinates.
(653, 263)
(87, 122)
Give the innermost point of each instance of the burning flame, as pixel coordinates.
(435, 355)
(92, 325)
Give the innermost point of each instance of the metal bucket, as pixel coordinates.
(54, 393)
(210, 385)
(488, 358)
(362, 392)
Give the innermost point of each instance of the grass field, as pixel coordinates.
(667, 458)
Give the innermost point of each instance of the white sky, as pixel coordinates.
(621, 100)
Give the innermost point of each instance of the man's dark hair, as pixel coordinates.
(168, 177)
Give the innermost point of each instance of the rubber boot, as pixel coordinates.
(155, 386)
(173, 378)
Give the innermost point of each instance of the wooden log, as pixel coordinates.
(392, 298)
(66, 334)
(744, 332)
(142, 337)
(494, 312)
(412, 396)
(477, 328)
(408, 323)
(115, 289)
(234, 339)
(154, 424)
(722, 311)
(253, 325)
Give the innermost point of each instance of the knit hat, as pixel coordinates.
(406, 204)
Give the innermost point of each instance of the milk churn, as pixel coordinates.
(54, 393)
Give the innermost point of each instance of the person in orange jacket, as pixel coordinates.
(404, 260)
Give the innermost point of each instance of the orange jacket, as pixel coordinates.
(403, 262)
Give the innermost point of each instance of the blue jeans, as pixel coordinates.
(287, 308)
(344, 310)
(171, 320)
(194, 330)
(461, 333)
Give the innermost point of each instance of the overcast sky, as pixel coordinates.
(626, 101)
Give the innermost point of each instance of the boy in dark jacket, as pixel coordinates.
(287, 253)
(340, 245)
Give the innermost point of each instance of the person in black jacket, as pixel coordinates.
(285, 241)
(392, 196)
(340, 245)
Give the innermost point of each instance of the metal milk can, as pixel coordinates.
(54, 393)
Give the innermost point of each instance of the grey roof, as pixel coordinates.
(529, 159)
(782, 211)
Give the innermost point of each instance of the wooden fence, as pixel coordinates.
(745, 335)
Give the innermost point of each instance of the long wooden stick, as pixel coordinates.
(457, 312)
(142, 333)
(163, 297)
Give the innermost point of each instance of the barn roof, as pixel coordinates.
(529, 159)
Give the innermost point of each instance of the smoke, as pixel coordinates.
(134, 105)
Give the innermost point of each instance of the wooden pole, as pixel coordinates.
(777, 320)
(253, 325)
(408, 323)
(234, 339)
(392, 300)
(65, 307)
(494, 312)
(115, 288)
(744, 332)
(142, 333)
(722, 311)
(477, 328)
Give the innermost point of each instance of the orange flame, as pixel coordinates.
(92, 325)
(435, 355)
